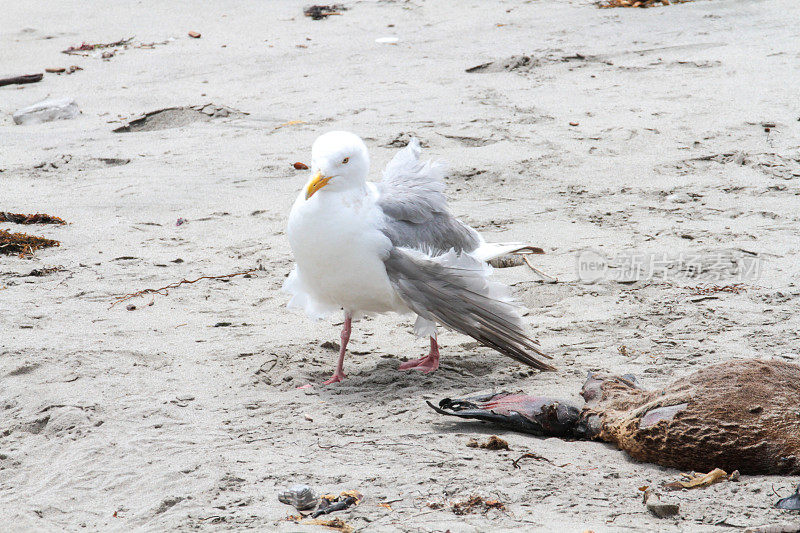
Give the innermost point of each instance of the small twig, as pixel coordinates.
(164, 291)
(546, 277)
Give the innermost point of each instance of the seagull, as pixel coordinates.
(393, 246)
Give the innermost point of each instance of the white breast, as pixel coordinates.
(339, 253)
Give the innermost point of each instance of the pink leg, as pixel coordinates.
(426, 364)
(339, 375)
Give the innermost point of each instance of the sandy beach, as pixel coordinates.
(665, 138)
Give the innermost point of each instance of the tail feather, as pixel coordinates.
(455, 291)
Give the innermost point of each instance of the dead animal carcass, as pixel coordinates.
(740, 415)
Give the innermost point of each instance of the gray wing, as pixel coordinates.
(417, 216)
(454, 290)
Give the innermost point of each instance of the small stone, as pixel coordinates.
(47, 110)
(194, 35)
(130, 307)
(300, 496)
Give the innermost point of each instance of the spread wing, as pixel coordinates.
(411, 196)
(455, 290)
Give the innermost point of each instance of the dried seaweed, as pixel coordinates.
(334, 523)
(86, 47)
(736, 288)
(23, 244)
(639, 3)
(331, 503)
(164, 291)
(38, 218)
(493, 443)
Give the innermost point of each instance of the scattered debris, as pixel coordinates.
(130, 307)
(85, 47)
(164, 291)
(21, 80)
(113, 161)
(493, 443)
(44, 271)
(47, 110)
(474, 504)
(194, 35)
(38, 218)
(301, 497)
(22, 243)
(330, 503)
(290, 123)
(736, 288)
(574, 124)
(319, 12)
(791, 503)
(181, 221)
(696, 480)
(638, 3)
(652, 501)
(300, 166)
(62, 70)
(150, 46)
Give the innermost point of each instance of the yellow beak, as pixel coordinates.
(316, 184)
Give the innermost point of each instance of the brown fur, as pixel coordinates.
(739, 415)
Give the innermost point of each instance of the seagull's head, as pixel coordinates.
(339, 161)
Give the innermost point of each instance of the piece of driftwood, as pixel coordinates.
(20, 80)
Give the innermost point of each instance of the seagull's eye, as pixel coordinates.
(345, 160)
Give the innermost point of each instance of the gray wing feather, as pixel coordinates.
(412, 198)
(453, 290)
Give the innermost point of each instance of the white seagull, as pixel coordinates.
(394, 246)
